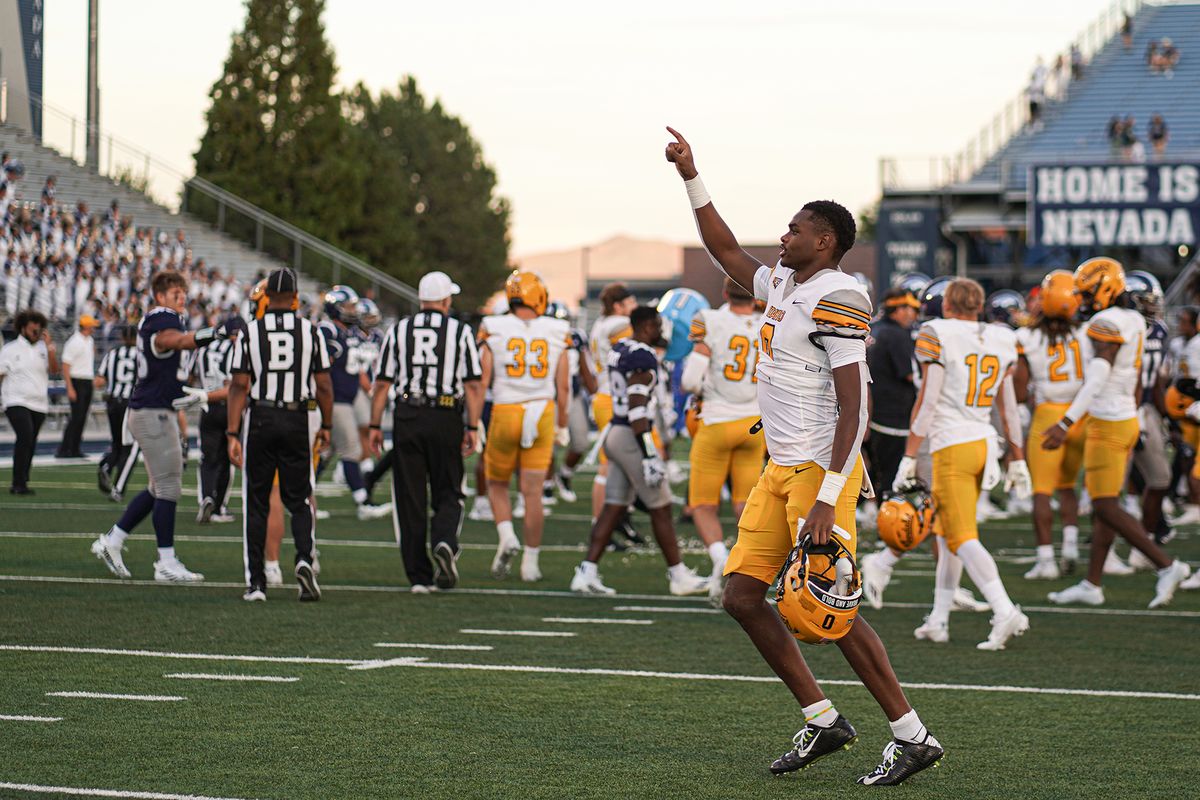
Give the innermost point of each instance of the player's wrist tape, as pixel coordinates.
(648, 448)
(697, 194)
(831, 488)
(1065, 424)
(375, 427)
(234, 434)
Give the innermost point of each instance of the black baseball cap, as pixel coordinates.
(282, 281)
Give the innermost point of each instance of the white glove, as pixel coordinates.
(906, 474)
(192, 397)
(562, 436)
(654, 470)
(1193, 412)
(1018, 480)
(991, 475)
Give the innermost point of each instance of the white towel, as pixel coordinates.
(991, 468)
(529, 423)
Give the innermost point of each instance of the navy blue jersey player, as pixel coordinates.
(153, 420)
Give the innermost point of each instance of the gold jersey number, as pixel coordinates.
(533, 355)
(984, 371)
(766, 334)
(1057, 354)
(742, 349)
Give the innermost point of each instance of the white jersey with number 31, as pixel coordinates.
(525, 355)
(729, 389)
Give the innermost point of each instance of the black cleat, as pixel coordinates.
(625, 528)
(445, 568)
(813, 743)
(103, 479)
(307, 581)
(902, 760)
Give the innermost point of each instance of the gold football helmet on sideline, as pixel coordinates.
(1059, 300)
(818, 591)
(258, 299)
(1099, 281)
(1179, 397)
(527, 289)
(905, 519)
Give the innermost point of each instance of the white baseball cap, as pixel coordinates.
(436, 286)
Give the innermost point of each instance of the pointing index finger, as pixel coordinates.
(678, 136)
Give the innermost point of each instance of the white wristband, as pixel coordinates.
(831, 488)
(697, 194)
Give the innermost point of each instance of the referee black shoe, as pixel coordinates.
(254, 594)
(103, 479)
(902, 760)
(307, 581)
(812, 743)
(445, 566)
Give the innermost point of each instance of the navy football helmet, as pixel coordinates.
(341, 304)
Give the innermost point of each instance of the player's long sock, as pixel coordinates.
(164, 522)
(719, 554)
(948, 575)
(354, 478)
(1070, 536)
(886, 559)
(909, 728)
(982, 569)
(821, 714)
(1045, 552)
(116, 536)
(138, 509)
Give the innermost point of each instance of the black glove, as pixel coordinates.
(206, 336)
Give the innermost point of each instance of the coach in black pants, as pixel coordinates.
(893, 393)
(274, 366)
(432, 360)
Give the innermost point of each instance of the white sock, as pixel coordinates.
(271, 564)
(909, 728)
(116, 536)
(588, 569)
(166, 554)
(821, 714)
(1070, 535)
(948, 576)
(530, 556)
(676, 571)
(719, 554)
(505, 529)
(886, 559)
(982, 569)
(1045, 552)
(359, 495)
(1088, 584)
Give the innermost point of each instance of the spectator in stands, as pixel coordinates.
(1158, 135)
(1127, 32)
(1037, 94)
(1168, 57)
(79, 372)
(48, 192)
(1076, 63)
(1116, 131)
(1128, 136)
(25, 366)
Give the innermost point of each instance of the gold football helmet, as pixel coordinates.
(1059, 300)
(258, 299)
(527, 289)
(1179, 397)
(818, 591)
(906, 519)
(1098, 282)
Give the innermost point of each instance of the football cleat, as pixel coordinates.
(103, 479)
(530, 572)
(1138, 562)
(1191, 583)
(875, 578)
(1014, 624)
(420, 588)
(207, 507)
(1169, 579)
(1190, 516)
(626, 529)
(481, 510)
(716, 588)
(1113, 565)
(812, 743)
(549, 498)
(175, 572)
(1043, 571)
(589, 584)
(110, 554)
(902, 760)
(445, 566)
(964, 600)
(116, 495)
(274, 573)
(688, 583)
(254, 594)
(1083, 592)
(938, 633)
(368, 511)
(506, 551)
(222, 518)
(310, 592)
(562, 483)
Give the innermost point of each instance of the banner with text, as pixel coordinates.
(1114, 205)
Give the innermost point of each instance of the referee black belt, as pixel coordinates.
(303, 405)
(427, 401)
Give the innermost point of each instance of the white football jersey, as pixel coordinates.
(525, 355)
(1123, 326)
(1055, 370)
(975, 356)
(795, 376)
(729, 391)
(1188, 364)
(605, 333)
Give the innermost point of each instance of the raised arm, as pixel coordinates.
(722, 246)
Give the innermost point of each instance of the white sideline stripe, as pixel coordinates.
(427, 646)
(700, 676)
(379, 663)
(216, 676)
(149, 698)
(597, 621)
(496, 632)
(669, 610)
(26, 718)
(112, 651)
(79, 792)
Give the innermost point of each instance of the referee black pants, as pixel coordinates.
(72, 438)
(276, 439)
(885, 453)
(214, 455)
(428, 462)
(25, 424)
(121, 458)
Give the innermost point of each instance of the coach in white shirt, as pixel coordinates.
(78, 368)
(25, 366)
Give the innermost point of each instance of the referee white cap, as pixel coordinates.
(436, 286)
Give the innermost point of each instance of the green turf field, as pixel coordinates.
(677, 704)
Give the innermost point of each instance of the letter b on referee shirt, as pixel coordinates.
(282, 354)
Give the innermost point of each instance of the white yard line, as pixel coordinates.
(113, 651)
(85, 792)
(538, 634)
(669, 609)
(149, 698)
(428, 646)
(597, 621)
(380, 663)
(26, 718)
(216, 676)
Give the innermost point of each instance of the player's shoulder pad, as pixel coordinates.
(699, 326)
(637, 357)
(1106, 326)
(843, 312)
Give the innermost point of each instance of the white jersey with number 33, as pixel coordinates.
(525, 355)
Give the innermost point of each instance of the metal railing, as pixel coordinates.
(124, 162)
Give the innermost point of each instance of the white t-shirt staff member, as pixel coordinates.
(79, 370)
(25, 366)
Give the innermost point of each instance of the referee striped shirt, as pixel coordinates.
(119, 368)
(281, 352)
(212, 363)
(429, 354)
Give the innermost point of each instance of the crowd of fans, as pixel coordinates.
(1124, 142)
(1162, 56)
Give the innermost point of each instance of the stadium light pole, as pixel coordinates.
(93, 86)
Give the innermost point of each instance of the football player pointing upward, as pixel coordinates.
(812, 392)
